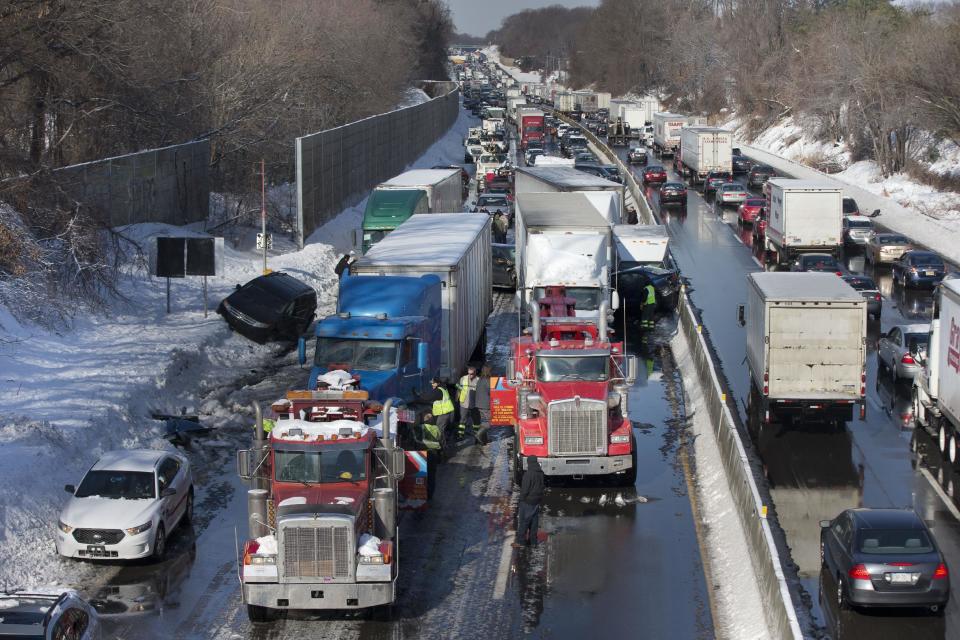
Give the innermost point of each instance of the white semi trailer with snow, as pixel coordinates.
(936, 390)
(567, 179)
(806, 346)
(456, 248)
(563, 240)
(805, 216)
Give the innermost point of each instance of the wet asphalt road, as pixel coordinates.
(814, 474)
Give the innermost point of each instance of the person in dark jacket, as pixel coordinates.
(481, 420)
(531, 495)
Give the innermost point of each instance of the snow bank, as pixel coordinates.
(68, 396)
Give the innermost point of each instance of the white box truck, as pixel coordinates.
(444, 187)
(936, 390)
(606, 196)
(806, 347)
(456, 248)
(563, 240)
(649, 105)
(513, 107)
(704, 149)
(565, 102)
(634, 117)
(666, 132)
(804, 216)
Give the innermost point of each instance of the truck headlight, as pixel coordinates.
(64, 526)
(256, 559)
(613, 399)
(139, 529)
(377, 559)
(532, 439)
(624, 439)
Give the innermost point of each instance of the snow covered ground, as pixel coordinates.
(67, 396)
(908, 206)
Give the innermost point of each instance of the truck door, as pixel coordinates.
(411, 377)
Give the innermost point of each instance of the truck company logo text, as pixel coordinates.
(953, 351)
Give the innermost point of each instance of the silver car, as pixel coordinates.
(730, 193)
(886, 248)
(903, 349)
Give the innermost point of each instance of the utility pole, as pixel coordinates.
(263, 212)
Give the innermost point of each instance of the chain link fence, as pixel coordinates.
(337, 167)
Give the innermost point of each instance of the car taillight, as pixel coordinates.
(863, 383)
(907, 359)
(941, 572)
(766, 382)
(859, 572)
(876, 297)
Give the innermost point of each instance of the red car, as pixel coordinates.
(654, 174)
(748, 211)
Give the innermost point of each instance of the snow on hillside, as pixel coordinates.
(68, 396)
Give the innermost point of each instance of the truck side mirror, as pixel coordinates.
(615, 301)
(741, 315)
(511, 369)
(353, 237)
(423, 359)
(302, 351)
(633, 366)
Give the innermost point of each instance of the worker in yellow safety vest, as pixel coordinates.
(442, 409)
(648, 307)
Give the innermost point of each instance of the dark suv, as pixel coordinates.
(714, 179)
(758, 175)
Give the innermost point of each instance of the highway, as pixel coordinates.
(814, 474)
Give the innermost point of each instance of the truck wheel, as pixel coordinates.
(942, 437)
(257, 613)
(630, 477)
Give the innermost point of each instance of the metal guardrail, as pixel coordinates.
(779, 609)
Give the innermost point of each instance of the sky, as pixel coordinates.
(477, 17)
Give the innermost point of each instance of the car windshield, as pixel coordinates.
(587, 298)
(129, 485)
(562, 368)
(487, 201)
(362, 355)
(317, 467)
(917, 342)
(755, 202)
(732, 187)
(889, 542)
(667, 186)
(819, 263)
(859, 224)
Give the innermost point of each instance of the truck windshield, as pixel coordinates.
(362, 355)
(563, 368)
(587, 298)
(317, 467)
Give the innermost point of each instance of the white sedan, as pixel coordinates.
(126, 506)
(730, 193)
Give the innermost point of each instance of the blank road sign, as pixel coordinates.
(200, 257)
(170, 262)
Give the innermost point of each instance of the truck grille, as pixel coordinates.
(317, 552)
(577, 427)
(98, 536)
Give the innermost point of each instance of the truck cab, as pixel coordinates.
(571, 394)
(386, 209)
(385, 332)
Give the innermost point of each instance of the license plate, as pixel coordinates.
(931, 273)
(902, 578)
(96, 550)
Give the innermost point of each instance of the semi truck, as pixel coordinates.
(806, 347)
(513, 108)
(571, 386)
(385, 212)
(386, 331)
(586, 101)
(531, 127)
(565, 102)
(563, 240)
(551, 177)
(936, 389)
(455, 247)
(804, 216)
(666, 132)
(704, 149)
(326, 485)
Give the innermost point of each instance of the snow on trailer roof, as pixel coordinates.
(793, 183)
(427, 239)
(651, 231)
(569, 177)
(419, 177)
(559, 210)
(809, 286)
(704, 129)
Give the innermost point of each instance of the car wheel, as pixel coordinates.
(893, 373)
(952, 448)
(842, 602)
(159, 543)
(188, 512)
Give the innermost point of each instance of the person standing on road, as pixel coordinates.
(528, 512)
(648, 307)
(500, 227)
(482, 402)
(442, 410)
(468, 400)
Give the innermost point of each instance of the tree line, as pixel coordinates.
(883, 77)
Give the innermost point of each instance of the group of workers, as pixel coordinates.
(444, 425)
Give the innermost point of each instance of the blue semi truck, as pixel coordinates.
(384, 331)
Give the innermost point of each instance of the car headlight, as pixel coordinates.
(139, 529)
(64, 526)
(619, 439)
(533, 440)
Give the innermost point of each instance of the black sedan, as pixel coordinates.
(919, 269)
(867, 288)
(276, 306)
(883, 558)
(758, 175)
(632, 277)
(673, 193)
(504, 266)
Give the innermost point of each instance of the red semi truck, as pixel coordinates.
(571, 386)
(531, 127)
(327, 482)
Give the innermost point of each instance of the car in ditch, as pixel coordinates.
(275, 306)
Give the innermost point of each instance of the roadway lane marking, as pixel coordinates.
(503, 572)
(940, 492)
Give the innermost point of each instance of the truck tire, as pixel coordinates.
(630, 477)
(258, 614)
